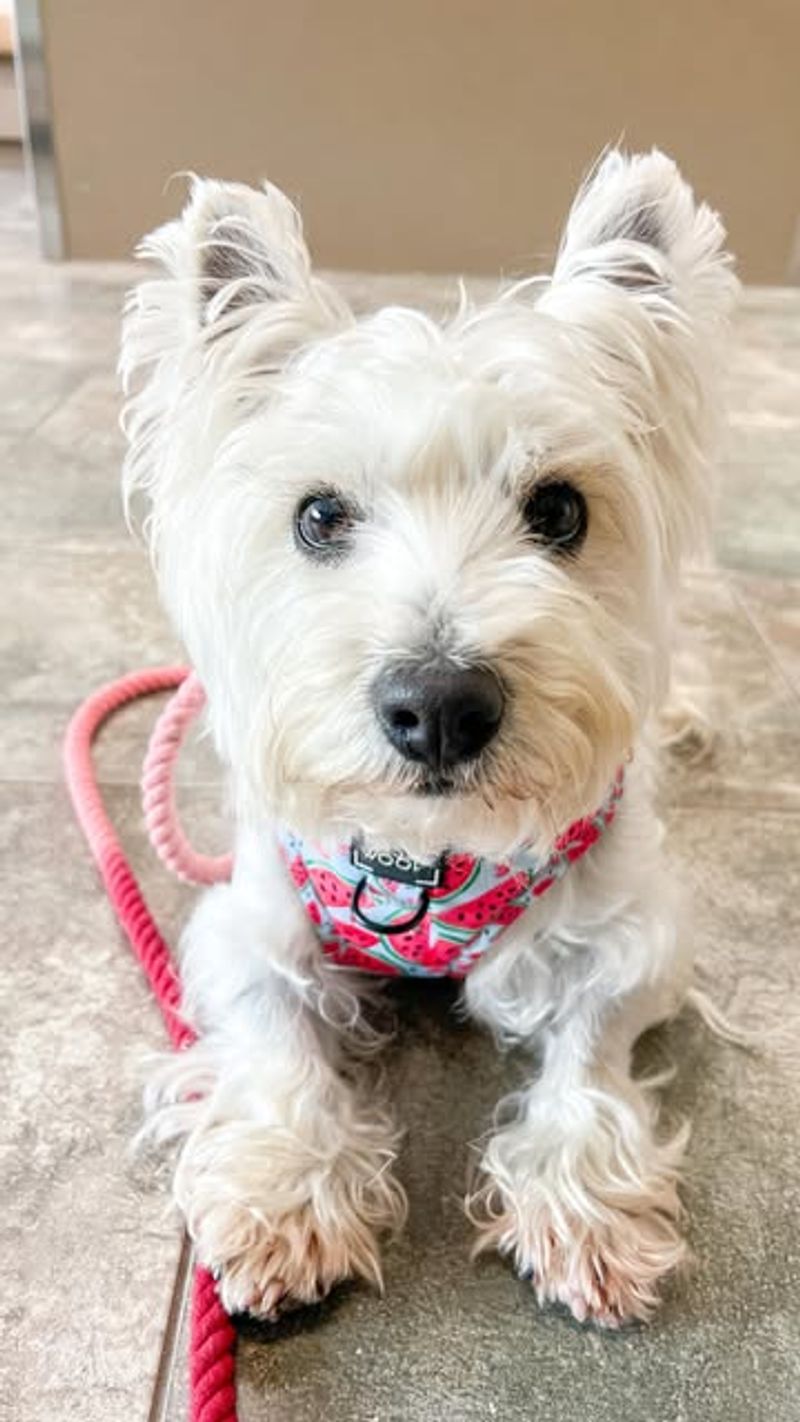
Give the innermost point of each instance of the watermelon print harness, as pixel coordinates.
(388, 913)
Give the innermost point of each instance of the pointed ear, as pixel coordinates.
(635, 226)
(233, 299)
(645, 286)
(234, 247)
(234, 276)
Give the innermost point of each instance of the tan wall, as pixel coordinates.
(423, 134)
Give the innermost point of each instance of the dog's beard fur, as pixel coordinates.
(261, 388)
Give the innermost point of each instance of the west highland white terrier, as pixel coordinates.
(426, 573)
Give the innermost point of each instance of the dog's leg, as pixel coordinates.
(284, 1174)
(576, 1188)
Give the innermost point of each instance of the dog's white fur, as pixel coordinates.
(253, 386)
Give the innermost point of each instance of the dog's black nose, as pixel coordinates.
(439, 715)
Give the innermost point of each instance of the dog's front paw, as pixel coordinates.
(266, 1264)
(594, 1225)
(279, 1227)
(605, 1270)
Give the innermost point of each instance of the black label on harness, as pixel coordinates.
(396, 864)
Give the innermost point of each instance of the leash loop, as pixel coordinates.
(389, 929)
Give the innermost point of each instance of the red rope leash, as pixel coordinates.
(213, 1337)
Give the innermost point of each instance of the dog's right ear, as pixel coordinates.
(234, 253)
(233, 248)
(235, 284)
(241, 248)
(235, 298)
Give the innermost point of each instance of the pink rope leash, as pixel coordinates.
(158, 797)
(213, 1337)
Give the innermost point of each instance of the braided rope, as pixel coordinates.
(213, 1337)
(158, 797)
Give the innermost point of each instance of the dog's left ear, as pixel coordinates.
(635, 227)
(645, 286)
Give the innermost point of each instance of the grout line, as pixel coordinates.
(766, 645)
(46, 780)
(34, 430)
(46, 543)
(694, 804)
(89, 543)
(173, 1331)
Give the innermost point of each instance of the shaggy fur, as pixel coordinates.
(253, 387)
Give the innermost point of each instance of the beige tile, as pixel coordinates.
(81, 618)
(767, 322)
(55, 495)
(78, 617)
(774, 606)
(31, 389)
(32, 734)
(757, 526)
(781, 303)
(85, 425)
(17, 213)
(764, 386)
(752, 706)
(93, 1250)
(62, 315)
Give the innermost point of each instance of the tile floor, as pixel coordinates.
(91, 1315)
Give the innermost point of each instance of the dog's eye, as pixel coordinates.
(556, 514)
(323, 523)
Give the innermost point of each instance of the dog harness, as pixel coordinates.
(388, 913)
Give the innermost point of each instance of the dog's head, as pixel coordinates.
(425, 570)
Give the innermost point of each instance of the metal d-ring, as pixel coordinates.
(388, 928)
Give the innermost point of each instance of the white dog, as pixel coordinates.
(426, 574)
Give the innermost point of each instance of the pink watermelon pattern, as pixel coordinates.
(477, 912)
(299, 871)
(329, 889)
(460, 871)
(476, 901)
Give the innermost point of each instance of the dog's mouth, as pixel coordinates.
(441, 785)
(443, 782)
